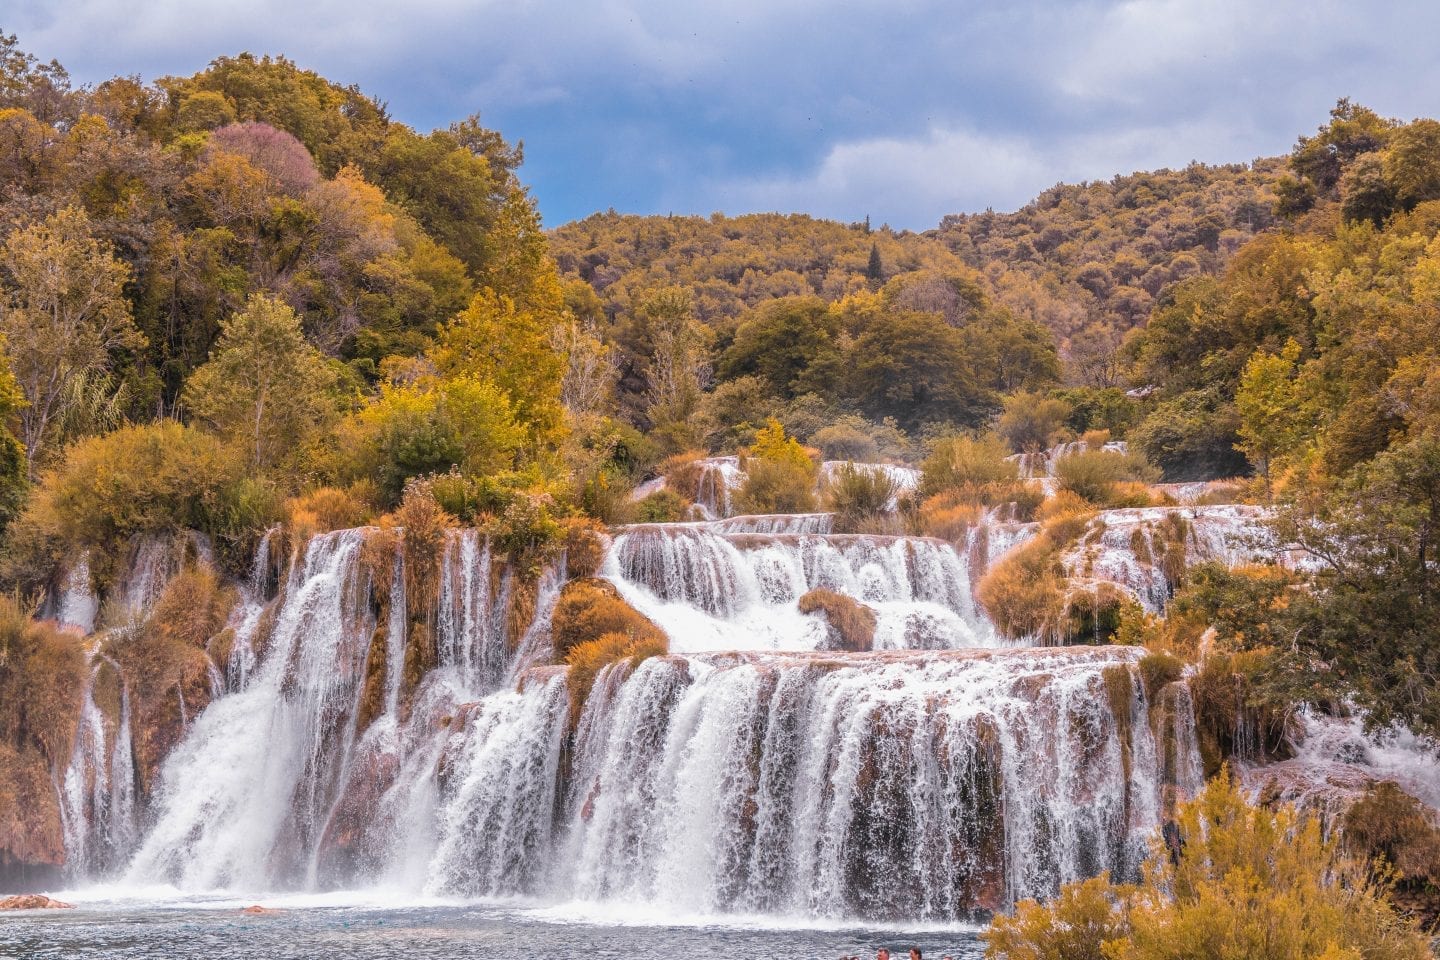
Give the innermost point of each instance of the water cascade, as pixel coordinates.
(712, 587)
(935, 778)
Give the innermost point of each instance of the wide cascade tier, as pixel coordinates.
(736, 584)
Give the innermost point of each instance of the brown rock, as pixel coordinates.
(33, 901)
(255, 910)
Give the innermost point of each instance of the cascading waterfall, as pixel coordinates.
(98, 790)
(1141, 549)
(713, 589)
(885, 786)
(934, 780)
(242, 797)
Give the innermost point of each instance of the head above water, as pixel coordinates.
(914, 953)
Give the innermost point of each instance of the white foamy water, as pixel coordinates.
(1135, 548)
(714, 590)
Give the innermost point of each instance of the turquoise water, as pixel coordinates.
(188, 931)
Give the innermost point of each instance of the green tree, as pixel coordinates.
(915, 368)
(263, 385)
(65, 318)
(1032, 421)
(676, 363)
(1273, 420)
(1412, 163)
(792, 344)
(427, 426)
(1373, 614)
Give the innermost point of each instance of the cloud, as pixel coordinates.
(906, 109)
(904, 181)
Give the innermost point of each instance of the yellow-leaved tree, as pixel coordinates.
(1235, 880)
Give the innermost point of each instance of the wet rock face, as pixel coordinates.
(31, 835)
(33, 901)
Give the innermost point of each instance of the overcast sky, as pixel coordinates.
(904, 110)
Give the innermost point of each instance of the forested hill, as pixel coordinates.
(1087, 260)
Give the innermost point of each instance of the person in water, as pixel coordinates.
(915, 953)
(882, 954)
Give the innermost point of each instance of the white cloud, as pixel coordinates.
(912, 182)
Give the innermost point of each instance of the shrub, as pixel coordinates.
(1032, 422)
(1388, 824)
(846, 441)
(327, 508)
(424, 525)
(588, 609)
(682, 472)
(970, 466)
(773, 445)
(860, 498)
(588, 658)
(851, 623)
(1242, 708)
(662, 506)
(427, 427)
(1226, 879)
(42, 685)
(1157, 669)
(526, 530)
(165, 661)
(605, 495)
(1026, 593)
(940, 516)
(155, 478)
(1096, 475)
(42, 680)
(773, 486)
(585, 546)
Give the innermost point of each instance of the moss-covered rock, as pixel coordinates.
(850, 624)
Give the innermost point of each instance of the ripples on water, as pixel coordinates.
(428, 933)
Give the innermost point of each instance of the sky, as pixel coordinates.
(901, 110)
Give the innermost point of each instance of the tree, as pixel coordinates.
(1032, 421)
(874, 269)
(1412, 163)
(1236, 880)
(915, 368)
(12, 452)
(65, 317)
(511, 345)
(263, 383)
(677, 368)
(1273, 421)
(427, 426)
(1373, 615)
(792, 344)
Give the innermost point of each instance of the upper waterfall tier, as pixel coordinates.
(711, 588)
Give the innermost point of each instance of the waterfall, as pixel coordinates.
(1144, 549)
(935, 779)
(714, 590)
(243, 796)
(98, 788)
(471, 626)
(889, 787)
